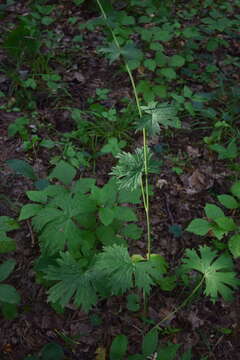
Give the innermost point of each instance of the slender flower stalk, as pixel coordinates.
(145, 187)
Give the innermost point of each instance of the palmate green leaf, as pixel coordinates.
(160, 115)
(122, 273)
(219, 277)
(59, 233)
(72, 283)
(129, 51)
(112, 51)
(130, 168)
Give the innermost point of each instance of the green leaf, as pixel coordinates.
(47, 20)
(234, 245)
(72, 281)
(162, 35)
(161, 114)
(131, 52)
(118, 347)
(84, 185)
(128, 20)
(9, 294)
(117, 268)
(128, 196)
(159, 262)
(52, 351)
(176, 61)
(132, 231)
(228, 201)
(124, 213)
(38, 196)
(226, 223)
(113, 146)
(235, 189)
(150, 342)
(150, 64)
(6, 268)
(130, 168)
(63, 172)
(133, 302)
(187, 92)
(217, 272)
(9, 311)
(168, 352)
(29, 210)
(8, 224)
(199, 227)
(6, 244)
(213, 211)
(22, 167)
(106, 234)
(187, 355)
(169, 73)
(106, 215)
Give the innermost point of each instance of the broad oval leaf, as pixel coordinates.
(106, 215)
(235, 189)
(199, 227)
(228, 201)
(6, 268)
(22, 167)
(118, 348)
(234, 245)
(150, 342)
(213, 211)
(9, 294)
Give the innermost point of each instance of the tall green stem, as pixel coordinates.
(145, 191)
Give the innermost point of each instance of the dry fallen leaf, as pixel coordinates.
(101, 353)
